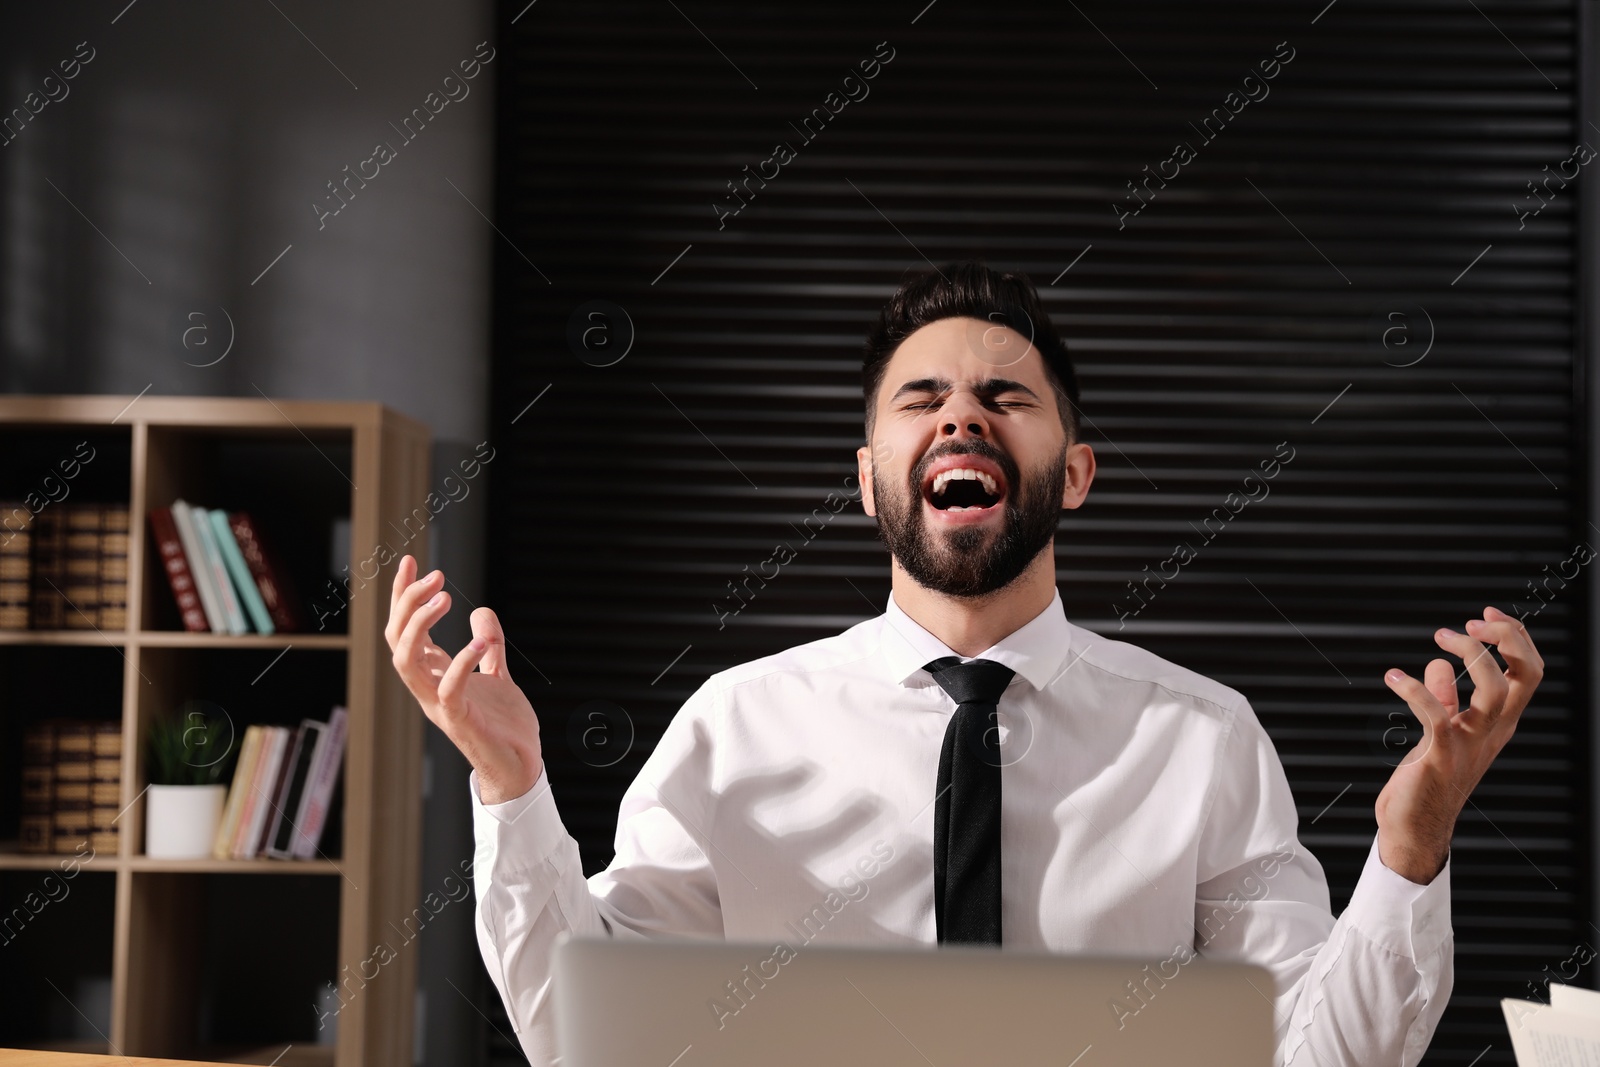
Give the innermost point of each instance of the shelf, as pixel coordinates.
(216, 415)
(171, 639)
(12, 858)
(114, 638)
(184, 639)
(216, 866)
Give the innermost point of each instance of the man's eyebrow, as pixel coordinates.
(989, 387)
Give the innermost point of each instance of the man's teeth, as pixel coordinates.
(941, 479)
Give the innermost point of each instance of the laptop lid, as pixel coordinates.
(720, 1004)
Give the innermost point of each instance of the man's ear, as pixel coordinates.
(864, 475)
(1080, 472)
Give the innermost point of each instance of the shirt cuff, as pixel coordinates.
(1396, 913)
(521, 832)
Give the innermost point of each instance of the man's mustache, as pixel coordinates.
(966, 448)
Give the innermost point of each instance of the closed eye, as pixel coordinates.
(937, 390)
(993, 403)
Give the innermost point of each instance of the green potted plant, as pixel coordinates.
(189, 754)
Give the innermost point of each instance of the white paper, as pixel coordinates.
(1550, 1036)
(1575, 999)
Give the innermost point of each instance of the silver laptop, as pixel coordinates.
(721, 1004)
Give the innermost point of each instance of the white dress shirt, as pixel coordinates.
(1144, 811)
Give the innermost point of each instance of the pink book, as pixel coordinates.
(326, 763)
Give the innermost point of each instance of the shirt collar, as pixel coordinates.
(1035, 651)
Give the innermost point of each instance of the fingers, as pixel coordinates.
(1511, 638)
(1440, 679)
(486, 628)
(1489, 684)
(1524, 665)
(453, 685)
(414, 642)
(404, 574)
(1427, 708)
(406, 601)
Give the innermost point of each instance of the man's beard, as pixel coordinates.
(958, 562)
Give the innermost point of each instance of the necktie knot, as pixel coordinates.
(980, 682)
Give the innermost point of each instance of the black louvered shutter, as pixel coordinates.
(1348, 267)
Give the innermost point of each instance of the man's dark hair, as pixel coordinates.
(970, 290)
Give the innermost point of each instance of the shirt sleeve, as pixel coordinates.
(1366, 988)
(530, 888)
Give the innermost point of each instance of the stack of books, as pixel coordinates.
(282, 785)
(220, 573)
(64, 567)
(71, 785)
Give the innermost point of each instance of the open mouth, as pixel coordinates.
(964, 483)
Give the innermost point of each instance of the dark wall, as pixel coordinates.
(1349, 269)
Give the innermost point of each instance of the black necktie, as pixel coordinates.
(966, 813)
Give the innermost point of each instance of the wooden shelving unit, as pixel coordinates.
(204, 953)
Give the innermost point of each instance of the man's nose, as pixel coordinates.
(963, 416)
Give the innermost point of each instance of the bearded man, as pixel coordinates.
(970, 766)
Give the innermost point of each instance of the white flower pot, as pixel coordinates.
(180, 821)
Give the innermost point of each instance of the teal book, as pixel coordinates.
(242, 579)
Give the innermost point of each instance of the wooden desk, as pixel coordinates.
(16, 1057)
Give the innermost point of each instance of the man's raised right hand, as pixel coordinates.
(481, 711)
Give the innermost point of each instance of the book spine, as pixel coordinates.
(265, 786)
(16, 564)
(72, 812)
(250, 788)
(270, 580)
(71, 826)
(325, 775)
(232, 614)
(184, 518)
(114, 535)
(16, 519)
(239, 571)
(271, 799)
(49, 602)
(82, 587)
(38, 786)
(292, 738)
(281, 813)
(105, 787)
(222, 844)
(179, 577)
(281, 844)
